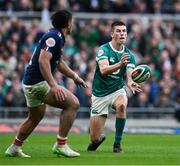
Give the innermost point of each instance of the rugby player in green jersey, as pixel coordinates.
(114, 63)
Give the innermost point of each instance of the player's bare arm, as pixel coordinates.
(134, 87)
(64, 69)
(44, 65)
(107, 69)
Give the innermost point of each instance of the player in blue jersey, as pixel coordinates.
(40, 88)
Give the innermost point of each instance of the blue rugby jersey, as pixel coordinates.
(52, 41)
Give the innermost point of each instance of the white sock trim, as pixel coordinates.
(18, 139)
(62, 138)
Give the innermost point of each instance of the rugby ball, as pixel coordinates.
(141, 73)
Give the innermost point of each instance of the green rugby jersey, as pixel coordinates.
(104, 85)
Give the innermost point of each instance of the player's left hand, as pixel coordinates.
(134, 87)
(79, 81)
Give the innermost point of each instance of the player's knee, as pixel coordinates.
(121, 109)
(75, 104)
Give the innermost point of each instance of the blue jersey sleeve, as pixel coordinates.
(52, 44)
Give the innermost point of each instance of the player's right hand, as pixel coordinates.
(59, 92)
(125, 58)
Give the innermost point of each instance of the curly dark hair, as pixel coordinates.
(61, 18)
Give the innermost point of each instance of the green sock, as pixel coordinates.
(120, 123)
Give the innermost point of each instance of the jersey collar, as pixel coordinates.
(115, 49)
(60, 33)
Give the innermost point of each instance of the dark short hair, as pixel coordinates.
(61, 18)
(117, 23)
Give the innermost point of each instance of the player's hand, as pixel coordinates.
(125, 59)
(59, 92)
(134, 87)
(79, 81)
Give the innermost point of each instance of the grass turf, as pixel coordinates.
(138, 150)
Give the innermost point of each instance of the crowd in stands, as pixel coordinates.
(154, 42)
(108, 6)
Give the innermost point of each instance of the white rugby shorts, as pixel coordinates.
(34, 94)
(102, 105)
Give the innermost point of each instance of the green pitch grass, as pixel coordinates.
(138, 150)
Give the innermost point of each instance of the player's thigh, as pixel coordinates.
(37, 113)
(70, 100)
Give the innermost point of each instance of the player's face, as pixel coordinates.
(119, 34)
(69, 28)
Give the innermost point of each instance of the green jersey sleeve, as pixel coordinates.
(101, 54)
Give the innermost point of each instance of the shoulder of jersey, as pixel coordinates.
(53, 34)
(101, 51)
(52, 38)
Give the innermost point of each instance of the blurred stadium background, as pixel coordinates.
(153, 35)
